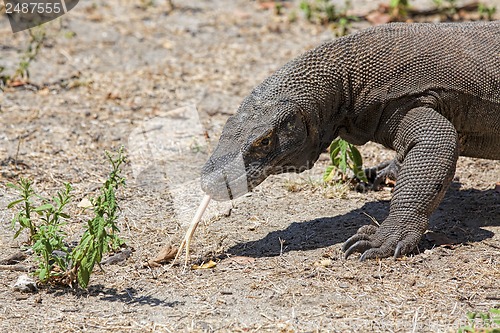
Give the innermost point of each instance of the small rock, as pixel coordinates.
(14, 259)
(59, 254)
(323, 263)
(117, 257)
(25, 284)
(85, 203)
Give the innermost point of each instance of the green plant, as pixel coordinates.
(24, 216)
(446, 7)
(325, 12)
(145, 4)
(4, 78)
(278, 8)
(46, 221)
(344, 156)
(49, 247)
(399, 8)
(47, 234)
(37, 37)
(485, 12)
(318, 11)
(484, 319)
(100, 236)
(343, 25)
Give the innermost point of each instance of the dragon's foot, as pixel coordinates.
(379, 174)
(380, 242)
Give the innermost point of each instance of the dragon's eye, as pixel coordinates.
(265, 142)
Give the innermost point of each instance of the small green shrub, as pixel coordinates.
(344, 156)
(485, 12)
(448, 8)
(100, 236)
(45, 222)
(37, 37)
(47, 234)
(49, 248)
(399, 8)
(23, 217)
(484, 319)
(325, 12)
(21, 73)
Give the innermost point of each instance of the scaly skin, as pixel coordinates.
(431, 92)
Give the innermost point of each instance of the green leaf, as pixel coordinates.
(83, 277)
(465, 329)
(18, 232)
(496, 312)
(42, 274)
(329, 173)
(13, 203)
(343, 157)
(471, 315)
(495, 316)
(43, 208)
(334, 148)
(356, 156)
(24, 221)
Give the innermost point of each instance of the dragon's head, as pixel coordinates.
(265, 137)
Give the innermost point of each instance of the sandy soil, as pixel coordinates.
(108, 68)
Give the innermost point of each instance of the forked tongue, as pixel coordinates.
(186, 242)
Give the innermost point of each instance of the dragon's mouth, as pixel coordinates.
(236, 178)
(229, 184)
(228, 187)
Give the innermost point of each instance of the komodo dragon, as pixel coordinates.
(429, 91)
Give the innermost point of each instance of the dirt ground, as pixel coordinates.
(108, 67)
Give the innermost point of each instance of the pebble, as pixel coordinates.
(25, 284)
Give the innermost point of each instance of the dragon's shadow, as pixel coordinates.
(460, 217)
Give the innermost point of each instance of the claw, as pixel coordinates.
(378, 174)
(363, 257)
(353, 240)
(359, 242)
(376, 246)
(359, 246)
(375, 252)
(368, 244)
(398, 250)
